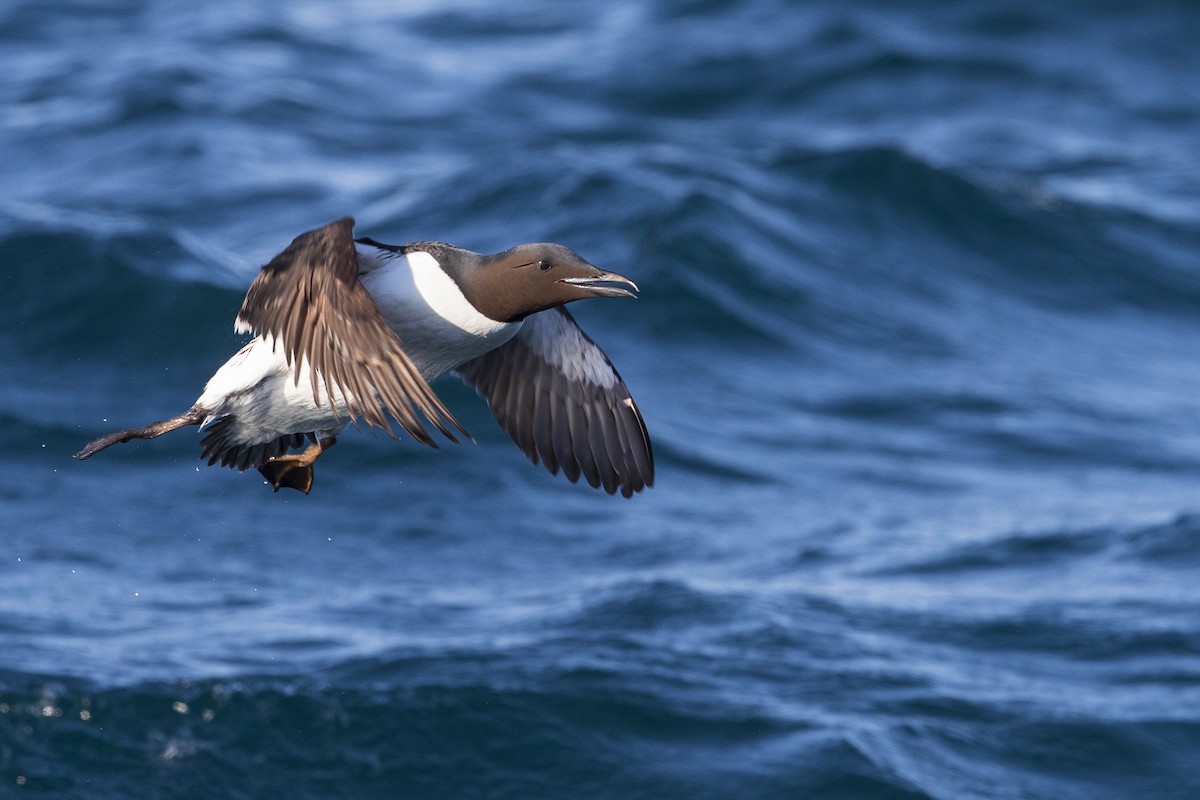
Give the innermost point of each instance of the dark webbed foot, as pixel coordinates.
(288, 474)
(294, 470)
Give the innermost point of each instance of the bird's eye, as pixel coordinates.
(544, 265)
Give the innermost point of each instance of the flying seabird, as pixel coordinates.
(347, 330)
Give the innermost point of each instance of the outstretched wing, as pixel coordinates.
(310, 300)
(559, 398)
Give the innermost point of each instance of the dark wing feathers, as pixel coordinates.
(309, 298)
(559, 398)
(220, 446)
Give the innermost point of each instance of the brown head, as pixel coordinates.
(526, 279)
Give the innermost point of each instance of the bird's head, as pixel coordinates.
(534, 277)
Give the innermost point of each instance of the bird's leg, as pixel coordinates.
(294, 470)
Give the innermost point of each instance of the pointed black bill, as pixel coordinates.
(605, 284)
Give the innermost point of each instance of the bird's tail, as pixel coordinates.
(193, 416)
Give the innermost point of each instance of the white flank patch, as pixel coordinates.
(243, 371)
(260, 390)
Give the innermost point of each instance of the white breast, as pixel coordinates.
(436, 324)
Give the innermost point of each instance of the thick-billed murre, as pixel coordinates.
(350, 329)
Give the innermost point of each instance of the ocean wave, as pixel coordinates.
(721, 265)
(96, 295)
(573, 733)
(250, 737)
(914, 345)
(1066, 254)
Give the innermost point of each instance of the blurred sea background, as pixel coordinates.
(917, 347)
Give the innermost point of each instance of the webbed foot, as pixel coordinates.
(280, 474)
(294, 470)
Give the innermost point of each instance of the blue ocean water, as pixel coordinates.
(916, 347)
